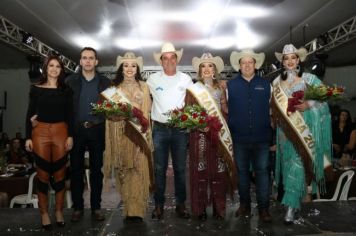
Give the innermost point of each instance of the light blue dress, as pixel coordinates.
(288, 161)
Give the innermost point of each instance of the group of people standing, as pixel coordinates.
(60, 120)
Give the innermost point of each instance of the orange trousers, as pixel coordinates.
(49, 141)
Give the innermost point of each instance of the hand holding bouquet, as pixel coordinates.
(120, 111)
(321, 93)
(193, 117)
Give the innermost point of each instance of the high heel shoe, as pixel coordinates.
(46, 222)
(60, 223)
(47, 227)
(59, 219)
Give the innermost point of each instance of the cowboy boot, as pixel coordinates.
(289, 217)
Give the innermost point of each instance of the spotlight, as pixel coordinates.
(34, 72)
(27, 38)
(317, 64)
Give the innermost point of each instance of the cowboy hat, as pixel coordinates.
(289, 49)
(235, 58)
(207, 57)
(129, 56)
(167, 47)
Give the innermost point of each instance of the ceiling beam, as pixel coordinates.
(13, 35)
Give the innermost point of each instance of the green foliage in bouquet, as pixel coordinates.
(324, 93)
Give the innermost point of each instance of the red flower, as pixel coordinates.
(184, 117)
(203, 113)
(195, 115)
(329, 93)
(108, 105)
(201, 121)
(100, 102)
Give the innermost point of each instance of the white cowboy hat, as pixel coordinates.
(129, 56)
(289, 49)
(207, 57)
(167, 47)
(235, 58)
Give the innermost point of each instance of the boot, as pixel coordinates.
(289, 217)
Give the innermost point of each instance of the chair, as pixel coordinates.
(345, 189)
(29, 198)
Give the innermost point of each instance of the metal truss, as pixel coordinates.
(338, 35)
(12, 35)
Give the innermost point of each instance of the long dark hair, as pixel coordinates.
(283, 70)
(119, 77)
(349, 118)
(44, 76)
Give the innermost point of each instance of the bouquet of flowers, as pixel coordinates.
(321, 93)
(193, 117)
(125, 110)
(324, 93)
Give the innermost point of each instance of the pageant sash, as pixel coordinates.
(205, 99)
(295, 128)
(133, 129)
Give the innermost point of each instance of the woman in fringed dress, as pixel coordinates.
(301, 174)
(123, 154)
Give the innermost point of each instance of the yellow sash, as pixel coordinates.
(205, 99)
(133, 129)
(294, 127)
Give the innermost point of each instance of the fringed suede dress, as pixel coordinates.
(126, 159)
(288, 160)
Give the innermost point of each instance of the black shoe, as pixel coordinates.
(157, 213)
(60, 224)
(76, 215)
(47, 227)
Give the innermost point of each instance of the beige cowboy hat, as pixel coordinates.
(207, 57)
(235, 58)
(167, 47)
(129, 56)
(302, 53)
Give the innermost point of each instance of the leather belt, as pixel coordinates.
(162, 124)
(90, 124)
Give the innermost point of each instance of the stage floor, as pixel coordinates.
(319, 218)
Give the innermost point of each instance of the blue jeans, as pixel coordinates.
(256, 154)
(167, 139)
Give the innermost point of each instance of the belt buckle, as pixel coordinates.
(86, 124)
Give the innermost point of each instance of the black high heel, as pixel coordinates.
(47, 227)
(60, 224)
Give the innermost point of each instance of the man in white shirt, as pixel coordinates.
(168, 89)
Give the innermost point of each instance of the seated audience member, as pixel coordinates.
(351, 146)
(4, 141)
(16, 154)
(341, 132)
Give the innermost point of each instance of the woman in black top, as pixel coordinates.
(51, 138)
(341, 132)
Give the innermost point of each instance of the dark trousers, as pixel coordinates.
(94, 139)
